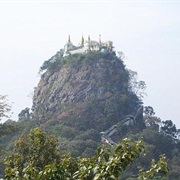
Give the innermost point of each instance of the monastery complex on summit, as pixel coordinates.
(86, 46)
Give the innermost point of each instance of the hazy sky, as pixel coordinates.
(147, 32)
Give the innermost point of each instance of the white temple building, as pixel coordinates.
(86, 46)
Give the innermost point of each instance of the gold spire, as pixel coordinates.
(82, 41)
(89, 38)
(100, 38)
(69, 39)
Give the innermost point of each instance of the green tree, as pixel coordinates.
(138, 87)
(150, 119)
(36, 157)
(168, 128)
(152, 122)
(24, 114)
(5, 128)
(4, 107)
(158, 168)
(32, 153)
(148, 110)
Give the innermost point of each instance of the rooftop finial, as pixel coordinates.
(82, 41)
(69, 39)
(100, 38)
(89, 38)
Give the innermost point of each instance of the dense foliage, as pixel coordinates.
(57, 61)
(78, 133)
(32, 153)
(4, 107)
(36, 157)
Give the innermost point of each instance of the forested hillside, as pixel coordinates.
(90, 99)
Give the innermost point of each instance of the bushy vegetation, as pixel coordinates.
(36, 156)
(5, 108)
(57, 61)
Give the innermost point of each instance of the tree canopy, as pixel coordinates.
(36, 156)
(4, 107)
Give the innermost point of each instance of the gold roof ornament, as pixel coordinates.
(82, 41)
(69, 38)
(100, 38)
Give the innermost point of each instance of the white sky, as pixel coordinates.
(147, 32)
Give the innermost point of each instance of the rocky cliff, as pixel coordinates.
(82, 93)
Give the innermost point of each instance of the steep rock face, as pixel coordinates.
(85, 91)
